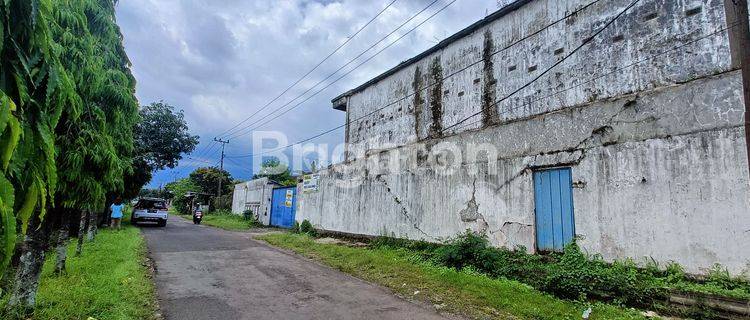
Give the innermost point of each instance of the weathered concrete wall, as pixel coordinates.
(254, 195)
(659, 174)
(619, 61)
(648, 117)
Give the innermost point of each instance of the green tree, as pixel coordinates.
(35, 89)
(155, 193)
(92, 139)
(161, 138)
(207, 179)
(178, 190)
(273, 169)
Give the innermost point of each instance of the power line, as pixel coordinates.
(240, 166)
(350, 38)
(429, 85)
(237, 132)
(630, 65)
(583, 44)
(206, 151)
(720, 31)
(575, 12)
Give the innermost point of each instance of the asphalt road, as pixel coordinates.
(208, 273)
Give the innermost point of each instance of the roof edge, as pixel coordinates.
(442, 44)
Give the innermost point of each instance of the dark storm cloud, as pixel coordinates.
(220, 60)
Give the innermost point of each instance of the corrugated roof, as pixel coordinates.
(442, 44)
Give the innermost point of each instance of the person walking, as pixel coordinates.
(116, 213)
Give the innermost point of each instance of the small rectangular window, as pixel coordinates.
(532, 68)
(650, 16)
(511, 68)
(460, 94)
(477, 80)
(693, 11)
(559, 51)
(618, 38)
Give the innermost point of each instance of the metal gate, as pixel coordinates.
(553, 197)
(283, 204)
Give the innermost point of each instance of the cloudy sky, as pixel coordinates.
(222, 60)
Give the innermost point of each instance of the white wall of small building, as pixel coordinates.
(254, 192)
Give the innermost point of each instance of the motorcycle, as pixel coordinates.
(197, 217)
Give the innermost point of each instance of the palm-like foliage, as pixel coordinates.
(92, 161)
(67, 109)
(34, 90)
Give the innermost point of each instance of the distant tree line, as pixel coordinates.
(205, 181)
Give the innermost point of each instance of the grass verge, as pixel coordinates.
(109, 281)
(462, 292)
(226, 221)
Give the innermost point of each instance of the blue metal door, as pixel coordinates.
(553, 197)
(283, 203)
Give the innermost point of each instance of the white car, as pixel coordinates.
(151, 210)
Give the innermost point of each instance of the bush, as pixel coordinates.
(469, 249)
(575, 275)
(307, 227)
(296, 227)
(719, 277)
(222, 203)
(570, 275)
(248, 214)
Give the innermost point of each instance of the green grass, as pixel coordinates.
(109, 281)
(463, 292)
(226, 221)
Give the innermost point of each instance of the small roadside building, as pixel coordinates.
(254, 195)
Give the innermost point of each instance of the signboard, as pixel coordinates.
(289, 198)
(310, 183)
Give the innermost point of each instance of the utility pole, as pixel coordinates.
(221, 163)
(739, 45)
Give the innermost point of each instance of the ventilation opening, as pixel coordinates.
(511, 68)
(650, 16)
(618, 38)
(559, 51)
(693, 11)
(477, 80)
(532, 68)
(460, 94)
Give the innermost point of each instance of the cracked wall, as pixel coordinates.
(657, 151)
(634, 54)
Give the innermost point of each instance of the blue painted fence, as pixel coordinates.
(553, 197)
(283, 205)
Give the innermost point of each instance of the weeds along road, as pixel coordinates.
(207, 273)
